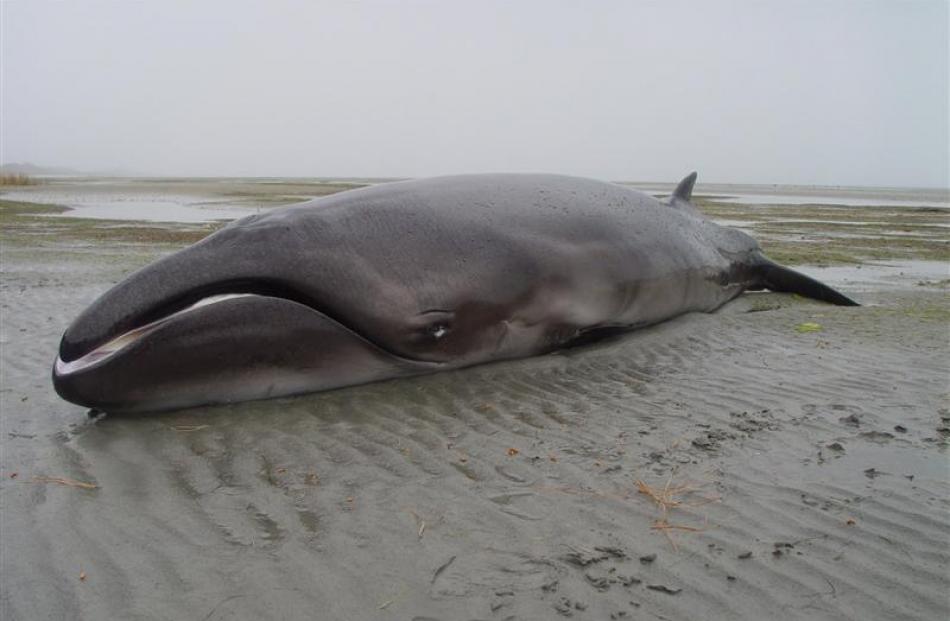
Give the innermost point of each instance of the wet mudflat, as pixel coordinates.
(780, 458)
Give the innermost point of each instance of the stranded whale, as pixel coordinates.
(401, 279)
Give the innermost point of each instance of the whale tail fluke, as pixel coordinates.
(775, 277)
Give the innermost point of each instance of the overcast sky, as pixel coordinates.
(822, 92)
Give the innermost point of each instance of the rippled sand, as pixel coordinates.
(817, 463)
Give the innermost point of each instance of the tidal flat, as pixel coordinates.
(780, 458)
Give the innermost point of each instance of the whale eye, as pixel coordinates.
(438, 323)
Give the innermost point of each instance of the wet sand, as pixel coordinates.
(816, 460)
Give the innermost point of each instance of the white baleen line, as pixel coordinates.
(109, 349)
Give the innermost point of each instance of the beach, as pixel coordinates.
(780, 458)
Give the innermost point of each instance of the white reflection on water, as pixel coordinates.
(794, 199)
(145, 208)
(158, 211)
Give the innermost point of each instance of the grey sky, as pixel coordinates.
(824, 92)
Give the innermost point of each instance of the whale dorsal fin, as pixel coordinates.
(684, 191)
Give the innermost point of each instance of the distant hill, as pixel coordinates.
(32, 169)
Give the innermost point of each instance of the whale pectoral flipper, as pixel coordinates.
(684, 191)
(775, 277)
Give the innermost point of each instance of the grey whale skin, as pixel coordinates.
(401, 279)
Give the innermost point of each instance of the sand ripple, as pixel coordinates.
(479, 493)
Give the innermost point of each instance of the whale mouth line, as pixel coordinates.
(183, 301)
(121, 342)
(189, 299)
(100, 354)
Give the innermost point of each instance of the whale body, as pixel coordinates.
(401, 279)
